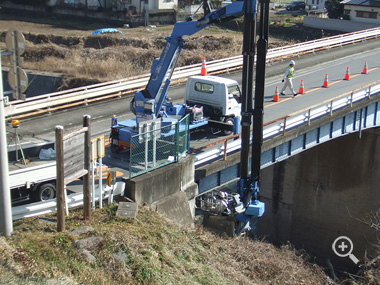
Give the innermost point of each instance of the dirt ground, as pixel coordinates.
(66, 46)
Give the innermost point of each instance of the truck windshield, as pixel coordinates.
(234, 92)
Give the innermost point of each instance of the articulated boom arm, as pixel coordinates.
(162, 69)
(249, 185)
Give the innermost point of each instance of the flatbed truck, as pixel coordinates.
(35, 182)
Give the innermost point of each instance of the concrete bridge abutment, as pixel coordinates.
(328, 191)
(169, 190)
(311, 198)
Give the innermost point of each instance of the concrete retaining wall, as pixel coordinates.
(336, 24)
(323, 193)
(170, 190)
(38, 84)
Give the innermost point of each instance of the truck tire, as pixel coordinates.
(44, 192)
(228, 120)
(115, 149)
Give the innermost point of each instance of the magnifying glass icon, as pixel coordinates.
(343, 247)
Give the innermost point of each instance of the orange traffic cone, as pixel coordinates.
(326, 82)
(365, 69)
(276, 96)
(302, 88)
(347, 76)
(203, 70)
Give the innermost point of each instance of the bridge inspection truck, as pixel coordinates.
(153, 103)
(210, 100)
(211, 96)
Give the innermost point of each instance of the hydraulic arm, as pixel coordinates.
(249, 185)
(162, 69)
(148, 103)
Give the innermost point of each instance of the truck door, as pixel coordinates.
(234, 98)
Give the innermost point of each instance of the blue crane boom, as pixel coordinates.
(163, 67)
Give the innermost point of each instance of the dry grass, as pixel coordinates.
(157, 252)
(105, 58)
(66, 47)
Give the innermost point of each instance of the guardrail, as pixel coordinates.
(73, 200)
(56, 100)
(279, 126)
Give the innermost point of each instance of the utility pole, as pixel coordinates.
(6, 225)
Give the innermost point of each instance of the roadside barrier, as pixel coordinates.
(203, 69)
(60, 100)
(276, 97)
(302, 88)
(73, 200)
(347, 76)
(365, 69)
(326, 82)
(280, 126)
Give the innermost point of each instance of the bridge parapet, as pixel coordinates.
(292, 134)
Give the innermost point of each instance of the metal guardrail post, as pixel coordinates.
(284, 130)
(360, 123)
(146, 150)
(177, 141)
(352, 98)
(87, 165)
(225, 150)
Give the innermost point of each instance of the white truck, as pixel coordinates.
(219, 97)
(34, 182)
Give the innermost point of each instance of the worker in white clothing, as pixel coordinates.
(287, 78)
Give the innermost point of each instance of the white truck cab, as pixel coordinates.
(220, 97)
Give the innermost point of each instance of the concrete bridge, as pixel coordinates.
(295, 133)
(320, 179)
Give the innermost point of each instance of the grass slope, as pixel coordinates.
(156, 251)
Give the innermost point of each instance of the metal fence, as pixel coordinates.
(152, 149)
(280, 126)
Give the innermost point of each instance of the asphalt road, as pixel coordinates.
(311, 68)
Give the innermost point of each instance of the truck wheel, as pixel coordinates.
(229, 121)
(115, 149)
(44, 192)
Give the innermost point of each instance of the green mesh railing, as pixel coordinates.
(157, 148)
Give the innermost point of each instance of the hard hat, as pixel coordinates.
(292, 62)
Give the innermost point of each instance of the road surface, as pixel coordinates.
(311, 68)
